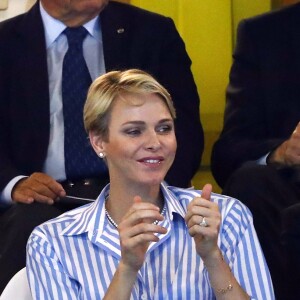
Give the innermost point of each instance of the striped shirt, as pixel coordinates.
(76, 255)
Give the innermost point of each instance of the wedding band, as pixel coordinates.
(203, 223)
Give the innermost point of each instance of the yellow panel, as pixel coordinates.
(165, 7)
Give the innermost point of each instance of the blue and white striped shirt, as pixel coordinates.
(76, 255)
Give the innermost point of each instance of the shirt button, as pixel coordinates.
(144, 296)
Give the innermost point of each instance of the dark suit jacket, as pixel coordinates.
(149, 42)
(263, 96)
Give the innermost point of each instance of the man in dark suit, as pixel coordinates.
(257, 155)
(32, 168)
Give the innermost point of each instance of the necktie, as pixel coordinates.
(80, 159)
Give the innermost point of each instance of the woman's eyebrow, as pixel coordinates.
(134, 122)
(137, 122)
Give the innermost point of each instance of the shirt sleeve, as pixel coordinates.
(46, 275)
(242, 250)
(6, 193)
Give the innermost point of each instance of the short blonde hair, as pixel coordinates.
(107, 88)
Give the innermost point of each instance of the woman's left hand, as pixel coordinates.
(203, 220)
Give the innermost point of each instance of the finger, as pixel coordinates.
(138, 204)
(29, 196)
(141, 239)
(20, 198)
(146, 216)
(52, 185)
(41, 198)
(297, 129)
(57, 189)
(196, 220)
(197, 204)
(137, 199)
(201, 208)
(206, 191)
(209, 232)
(142, 228)
(196, 210)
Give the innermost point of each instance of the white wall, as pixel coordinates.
(15, 7)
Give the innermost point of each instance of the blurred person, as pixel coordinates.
(256, 158)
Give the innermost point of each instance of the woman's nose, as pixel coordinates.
(152, 142)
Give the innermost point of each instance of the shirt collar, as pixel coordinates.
(90, 218)
(174, 205)
(53, 27)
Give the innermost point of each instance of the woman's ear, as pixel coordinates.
(97, 142)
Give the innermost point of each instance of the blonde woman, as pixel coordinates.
(143, 239)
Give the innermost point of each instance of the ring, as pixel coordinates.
(203, 223)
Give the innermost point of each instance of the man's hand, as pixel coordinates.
(288, 153)
(38, 187)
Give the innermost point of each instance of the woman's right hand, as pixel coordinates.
(137, 231)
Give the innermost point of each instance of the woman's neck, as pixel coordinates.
(120, 198)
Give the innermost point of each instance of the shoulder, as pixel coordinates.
(132, 11)
(7, 27)
(55, 227)
(19, 21)
(138, 18)
(20, 29)
(275, 23)
(273, 16)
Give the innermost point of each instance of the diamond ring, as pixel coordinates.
(203, 223)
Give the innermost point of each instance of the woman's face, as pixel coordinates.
(141, 143)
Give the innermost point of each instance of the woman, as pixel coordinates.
(143, 239)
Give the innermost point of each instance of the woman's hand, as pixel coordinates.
(137, 231)
(201, 209)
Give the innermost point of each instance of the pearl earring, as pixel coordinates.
(101, 155)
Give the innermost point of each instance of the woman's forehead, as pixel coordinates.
(149, 106)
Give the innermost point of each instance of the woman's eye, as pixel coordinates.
(165, 128)
(133, 132)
